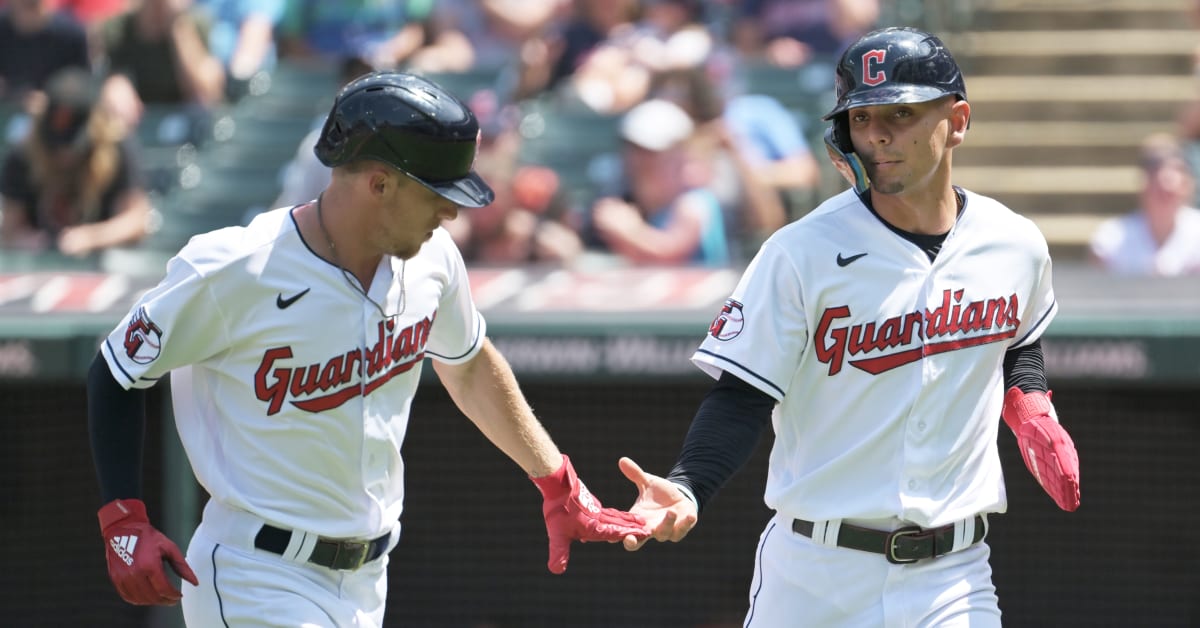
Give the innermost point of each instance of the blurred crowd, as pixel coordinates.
(701, 167)
(706, 164)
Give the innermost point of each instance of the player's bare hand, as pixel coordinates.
(574, 514)
(135, 552)
(669, 514)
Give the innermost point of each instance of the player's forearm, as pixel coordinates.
(1025, 368)
(116, 425)
(486, 390)
(722, 437)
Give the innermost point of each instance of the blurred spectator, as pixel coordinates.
(305, 176)
(771, 141)
(445, 47)
(92, 12)
(788, 33)
(385, 34)
(35, 42)
(161, 48)
(73, 184)
(677, 35)
(661, 219)
(497, 29)
(1162, 237)
(530, 221)
(667, 36)
(242, 34)
(591, 51)
(751, 152)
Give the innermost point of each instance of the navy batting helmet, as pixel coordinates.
(411, 124)
(895, 65)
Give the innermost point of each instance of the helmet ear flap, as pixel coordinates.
(332, 143)
(841, 152)
(841, 132)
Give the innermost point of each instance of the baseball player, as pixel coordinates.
(883, 336)
(295, 345)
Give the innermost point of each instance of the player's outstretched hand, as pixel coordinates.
(574, 514)
(1048, 450)
(669, 514)
(135, 552)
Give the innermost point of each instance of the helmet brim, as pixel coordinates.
(469, 191)
(888, 95)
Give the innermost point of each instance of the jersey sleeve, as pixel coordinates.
(761, 331)
(176, 323)
(458, 332)
(1042, 306)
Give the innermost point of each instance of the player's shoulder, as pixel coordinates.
(985, 208)
(215, 250)
(992, 219)
(836, 215)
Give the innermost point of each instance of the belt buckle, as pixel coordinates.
(890, 549)
(347, 555)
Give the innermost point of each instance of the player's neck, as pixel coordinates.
(335, 239)
(928, 214)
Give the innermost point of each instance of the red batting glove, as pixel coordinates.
(574, 514)
(135, 553)
(1048, 450)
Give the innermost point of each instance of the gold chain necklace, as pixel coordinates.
(350, 279)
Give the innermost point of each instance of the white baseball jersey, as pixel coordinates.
(887, 367)
(291, 390)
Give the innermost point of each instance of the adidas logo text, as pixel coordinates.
(123, 547)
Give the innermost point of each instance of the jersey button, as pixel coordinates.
(912, 484)
(921, 426)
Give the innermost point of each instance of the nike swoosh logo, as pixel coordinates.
(284, 304)
(846, 261)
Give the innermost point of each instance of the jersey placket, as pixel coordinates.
(918, 423)
(378, 450)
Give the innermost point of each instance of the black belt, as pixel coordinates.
(331, 553)
(906, 545)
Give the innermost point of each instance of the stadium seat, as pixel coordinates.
(574, 141)
(168, 137)
(808, 87)
(292, 90)
(255, 141)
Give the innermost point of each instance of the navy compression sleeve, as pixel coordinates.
(723, 435)
(1025, 368)
(117, 425)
